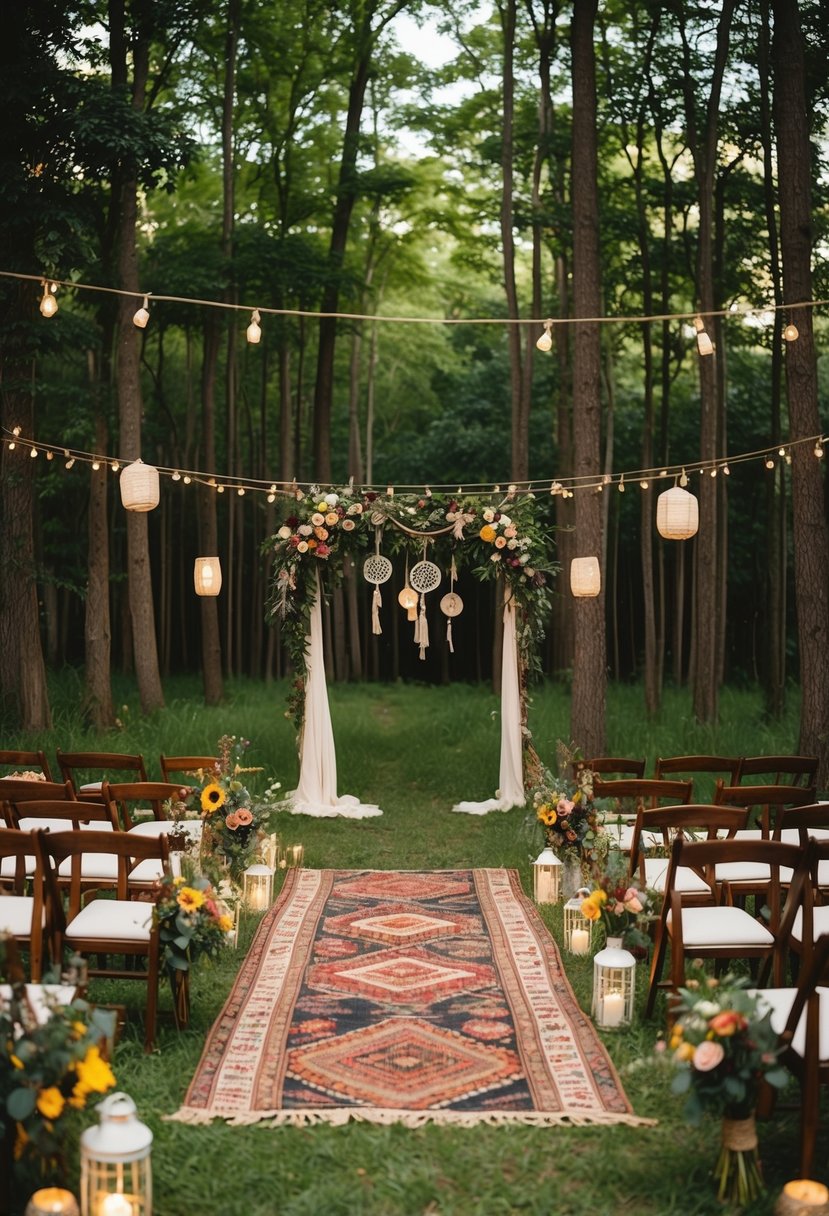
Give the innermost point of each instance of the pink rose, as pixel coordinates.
(707, 1055)
(243, 817)
(565, 806)
(231, 821)
(632, 901)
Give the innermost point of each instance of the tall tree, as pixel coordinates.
(589, 697)
(811, 541)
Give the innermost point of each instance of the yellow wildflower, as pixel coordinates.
(212, 797)
(189, 899)
(225, 923)
(94, 1075)
(50, 1102)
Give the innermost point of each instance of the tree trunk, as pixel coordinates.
(98, 705)
(587, 713)
(811, 543)
(211, 646)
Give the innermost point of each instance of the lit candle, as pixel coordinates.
(115, 1205)
(611, 1009)
(807, 1192)
(579, 941)
(54, 1200)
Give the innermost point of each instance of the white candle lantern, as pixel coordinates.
(614, 986)
(546, 877)
(139, 486)
(207, 576)
(271, 851)
(116, 1175)
(257, 887)
(585, 577)
(578, 930)
(677, 514)
(295, 854)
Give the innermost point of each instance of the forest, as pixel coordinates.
(573, 253)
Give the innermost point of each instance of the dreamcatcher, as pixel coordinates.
(376, 569)
(451, 605)
(424, 577)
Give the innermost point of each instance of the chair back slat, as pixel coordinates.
(619, 766)
(76, 766)
(186, 765)
(779, 770)
(125, 797)
(26, 762)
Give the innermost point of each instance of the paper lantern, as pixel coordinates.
(207, 576)
(585, 579)
(116, 1176)
(139, 486)
(677, 514)
(546, 877)
(614, 986)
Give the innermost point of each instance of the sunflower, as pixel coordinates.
(212, 797)
(189, 899)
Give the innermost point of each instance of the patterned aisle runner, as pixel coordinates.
(408, 997)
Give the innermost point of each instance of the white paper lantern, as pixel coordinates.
(207, 576)
(116, 1176)
(614, 986)
(139, 486)
(677, 514)
(546, 877)
(257, 887)
(585, 578)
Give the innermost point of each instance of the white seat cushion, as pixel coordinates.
(621, 834)
(743, 871)
(780, 1001)
(820, 923)
(112, 920)
(16, 914)
(43, 999)
(104, 867)
(687, 881)
(726, 927)
(8, 867)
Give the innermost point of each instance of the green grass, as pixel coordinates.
(415, 751)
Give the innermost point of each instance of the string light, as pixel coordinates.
(769, 463)
(33, 453)
(70, 462)
(176, 476)
(726, 471)
(545, 342)
(254, 330)
(790, 332)
(241, 491)
(187, 479)
(683, 480)
(704, 343)
(115, 466)
(622, 484)
(643, 484)
(819, 449)
(142, 316)
(48, 303)
(96, 464)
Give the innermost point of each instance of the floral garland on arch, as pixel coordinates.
(494, 535)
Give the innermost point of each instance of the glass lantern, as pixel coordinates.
(546, 877)
(578, 930)
(295, 854)
(116, 1175)
(614, 986)
(257, 887)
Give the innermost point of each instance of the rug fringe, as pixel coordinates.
(338, 1116)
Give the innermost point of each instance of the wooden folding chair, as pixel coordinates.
(709, 767)
(629, 795)
(719, 930)
(654, 833)
(78, 768)
(105, 926)
(22, 894)
(187, 766)
(764, 802)
(127, 798)
(613, 766)
(779, 770)
(29, 762)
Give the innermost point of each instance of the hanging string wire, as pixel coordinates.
(746, 310)
(14, 440)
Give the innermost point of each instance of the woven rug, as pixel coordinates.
(404, 997)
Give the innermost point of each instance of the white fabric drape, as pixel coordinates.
(511, 779)
(316, 792)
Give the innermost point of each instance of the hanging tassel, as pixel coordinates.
(423, 630)
(376, 603)
(449, 634)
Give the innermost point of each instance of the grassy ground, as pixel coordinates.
(415, 751)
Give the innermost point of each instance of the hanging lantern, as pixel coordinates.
(139, 486)
(407, 599)
(207, 576)
(546, 877)
(677, 514)
(578, 930)
(257, 887)
(116, 1176)
(614, 986)
(52, 1201)
(585, 579)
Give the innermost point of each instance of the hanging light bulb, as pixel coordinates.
(241, 491)
(175, 476)
(545, 342)
(713, 472)
(254, 331)
(726, 471)
(187, 479)
(70, 462)
(683, 480)
(142, 316)
(790, 332)
(115, 466)
(769, 462)
(33, 452)
(48, 303)
(819, 449)
(96, 464)
(643, 484)
(622, 484)
(704, 344)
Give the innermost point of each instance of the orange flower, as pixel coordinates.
(243, 817)
(728, 1023)
(487, 533)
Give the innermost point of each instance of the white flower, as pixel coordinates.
(496, 556)
(317, 520)
(305, 529)
(505, 521)
(284, 532)
(523, 557)
(706, 1009)
(332, 499)
(528, 570)
(356, 508)
(302, 547)
(489, 515)
(512, 544)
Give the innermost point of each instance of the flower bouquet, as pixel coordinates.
(723, 1045)
(624, 910)
(233, 823)
(48, 1070)
(565, 810)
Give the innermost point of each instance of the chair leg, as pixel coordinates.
(657, 963)
(810, 1107)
